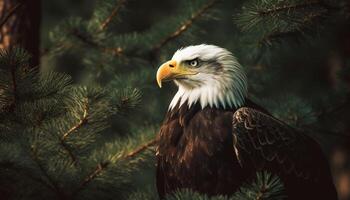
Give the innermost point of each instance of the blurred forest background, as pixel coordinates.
(78, 118)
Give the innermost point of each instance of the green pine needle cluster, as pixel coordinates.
(110, 51)
(276, 20)
(264, 187)
(54, 138)
(114, 58)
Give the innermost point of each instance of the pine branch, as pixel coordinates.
(282, 14)
(48, 50)
(114, 51)
(11, 60)
(303, 5)
(115, 11)
(81, 122)
(266, 186)
(99, 168)
(69, 151)
(104, 164)
(53, 185)
(83, 38)
(141, 149)
(10, 13)
(75, 32)
(184, 26)
(262, 191)
(20, 170)
(278, 34)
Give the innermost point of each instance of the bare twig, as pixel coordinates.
(115, 11)
(184, 26)
(10, 13)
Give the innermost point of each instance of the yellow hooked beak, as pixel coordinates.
(171, 70)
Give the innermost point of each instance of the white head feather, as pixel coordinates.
(220, 81)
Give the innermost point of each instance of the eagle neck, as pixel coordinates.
(212, 96)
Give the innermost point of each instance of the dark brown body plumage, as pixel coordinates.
(213, 151)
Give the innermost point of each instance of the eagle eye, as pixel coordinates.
(193, 63)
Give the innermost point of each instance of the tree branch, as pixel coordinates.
(83, 38)
(184, 26)
(275, 35)
(25, 172)
(81, 122)
(62, 139)
(10, 13)
(103, 165)
(115, 11)
(298, 31)
(141, 149)
(290, 7)
(99, 168)
(115, 51)
(52, 183)
(69, 151)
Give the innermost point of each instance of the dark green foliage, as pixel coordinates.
(264, 187)
(292, 40)
(108, 47)
(69, 141)
(53, 133)
(115, 58)
(70, 138)
(186, 194)
(276, 20)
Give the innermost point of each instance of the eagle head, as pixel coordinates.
(207, 74)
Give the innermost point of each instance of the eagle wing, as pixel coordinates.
(266, 143)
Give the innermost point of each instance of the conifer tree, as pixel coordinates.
(86, 139)
(53, 142)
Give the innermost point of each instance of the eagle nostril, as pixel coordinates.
(171, 65)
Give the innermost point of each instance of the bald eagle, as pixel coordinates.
(214, 139)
